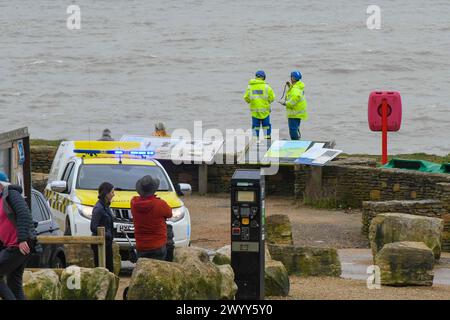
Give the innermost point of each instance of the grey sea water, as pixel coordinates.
(134, 63)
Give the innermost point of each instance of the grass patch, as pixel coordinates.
(409, 156)
(42, 142)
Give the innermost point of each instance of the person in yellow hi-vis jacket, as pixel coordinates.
(295, 104)
(259, 95)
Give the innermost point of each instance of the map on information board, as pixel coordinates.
(287, 149)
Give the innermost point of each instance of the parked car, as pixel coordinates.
(52, 255)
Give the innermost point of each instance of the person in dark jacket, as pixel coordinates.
(102, 216)
(106, 136)
(16, 239)
(149, 218)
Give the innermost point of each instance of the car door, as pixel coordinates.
(58, 200)
(45, 226)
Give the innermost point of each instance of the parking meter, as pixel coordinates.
(247, 233)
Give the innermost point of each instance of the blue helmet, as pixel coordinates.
(3, 177)
(297, 75)
(260, 74)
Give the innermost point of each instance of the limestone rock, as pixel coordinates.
(88, 284)
(228, 287)
(82, 255)
(307, 261)
(406, 263)
(79, 255)
(41, 285)
(279, 229)
(117, 260)
(191, 276)
(395, 227)
(158, 280)
(276, 279)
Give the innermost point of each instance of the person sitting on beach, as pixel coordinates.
(160, 130)
(106, 136)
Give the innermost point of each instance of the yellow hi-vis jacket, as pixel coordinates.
(259, 95)
(296, 102)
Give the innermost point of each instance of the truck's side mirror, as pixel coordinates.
(184, 189)
(58, 186)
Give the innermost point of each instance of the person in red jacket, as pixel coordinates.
(149, 218)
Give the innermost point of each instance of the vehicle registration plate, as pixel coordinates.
(127, 228)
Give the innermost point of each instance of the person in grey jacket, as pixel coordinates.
(16, 239)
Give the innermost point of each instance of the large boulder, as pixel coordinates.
(279, 229)
(395, 227)
(88, 284)
(41, 285)
(191, 276)
(204, 273)
(276, 279)
(158, 280)
(406, 264)
(307, 261)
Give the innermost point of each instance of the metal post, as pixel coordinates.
(384, 125)
(101, 248)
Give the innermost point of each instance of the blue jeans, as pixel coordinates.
(265, 123)
(294, 128)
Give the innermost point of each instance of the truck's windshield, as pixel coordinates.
(122, 177)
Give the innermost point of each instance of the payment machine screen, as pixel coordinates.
(245, 212)
(246, 196)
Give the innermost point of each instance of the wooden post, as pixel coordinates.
(314, 184)
(202, 179)
(101, 248)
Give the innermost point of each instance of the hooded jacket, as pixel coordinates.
(149, 218)
(296, 102)
(18, 212)
(259, 95)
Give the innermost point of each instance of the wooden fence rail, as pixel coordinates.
(96, 240)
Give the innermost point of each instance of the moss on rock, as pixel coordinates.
(279, 229)
(276, 279)
(307, 261)
(41, 285)
(88, 284)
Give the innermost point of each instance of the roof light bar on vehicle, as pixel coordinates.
(115, 152)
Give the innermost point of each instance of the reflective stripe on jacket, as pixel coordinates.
(259, 95)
